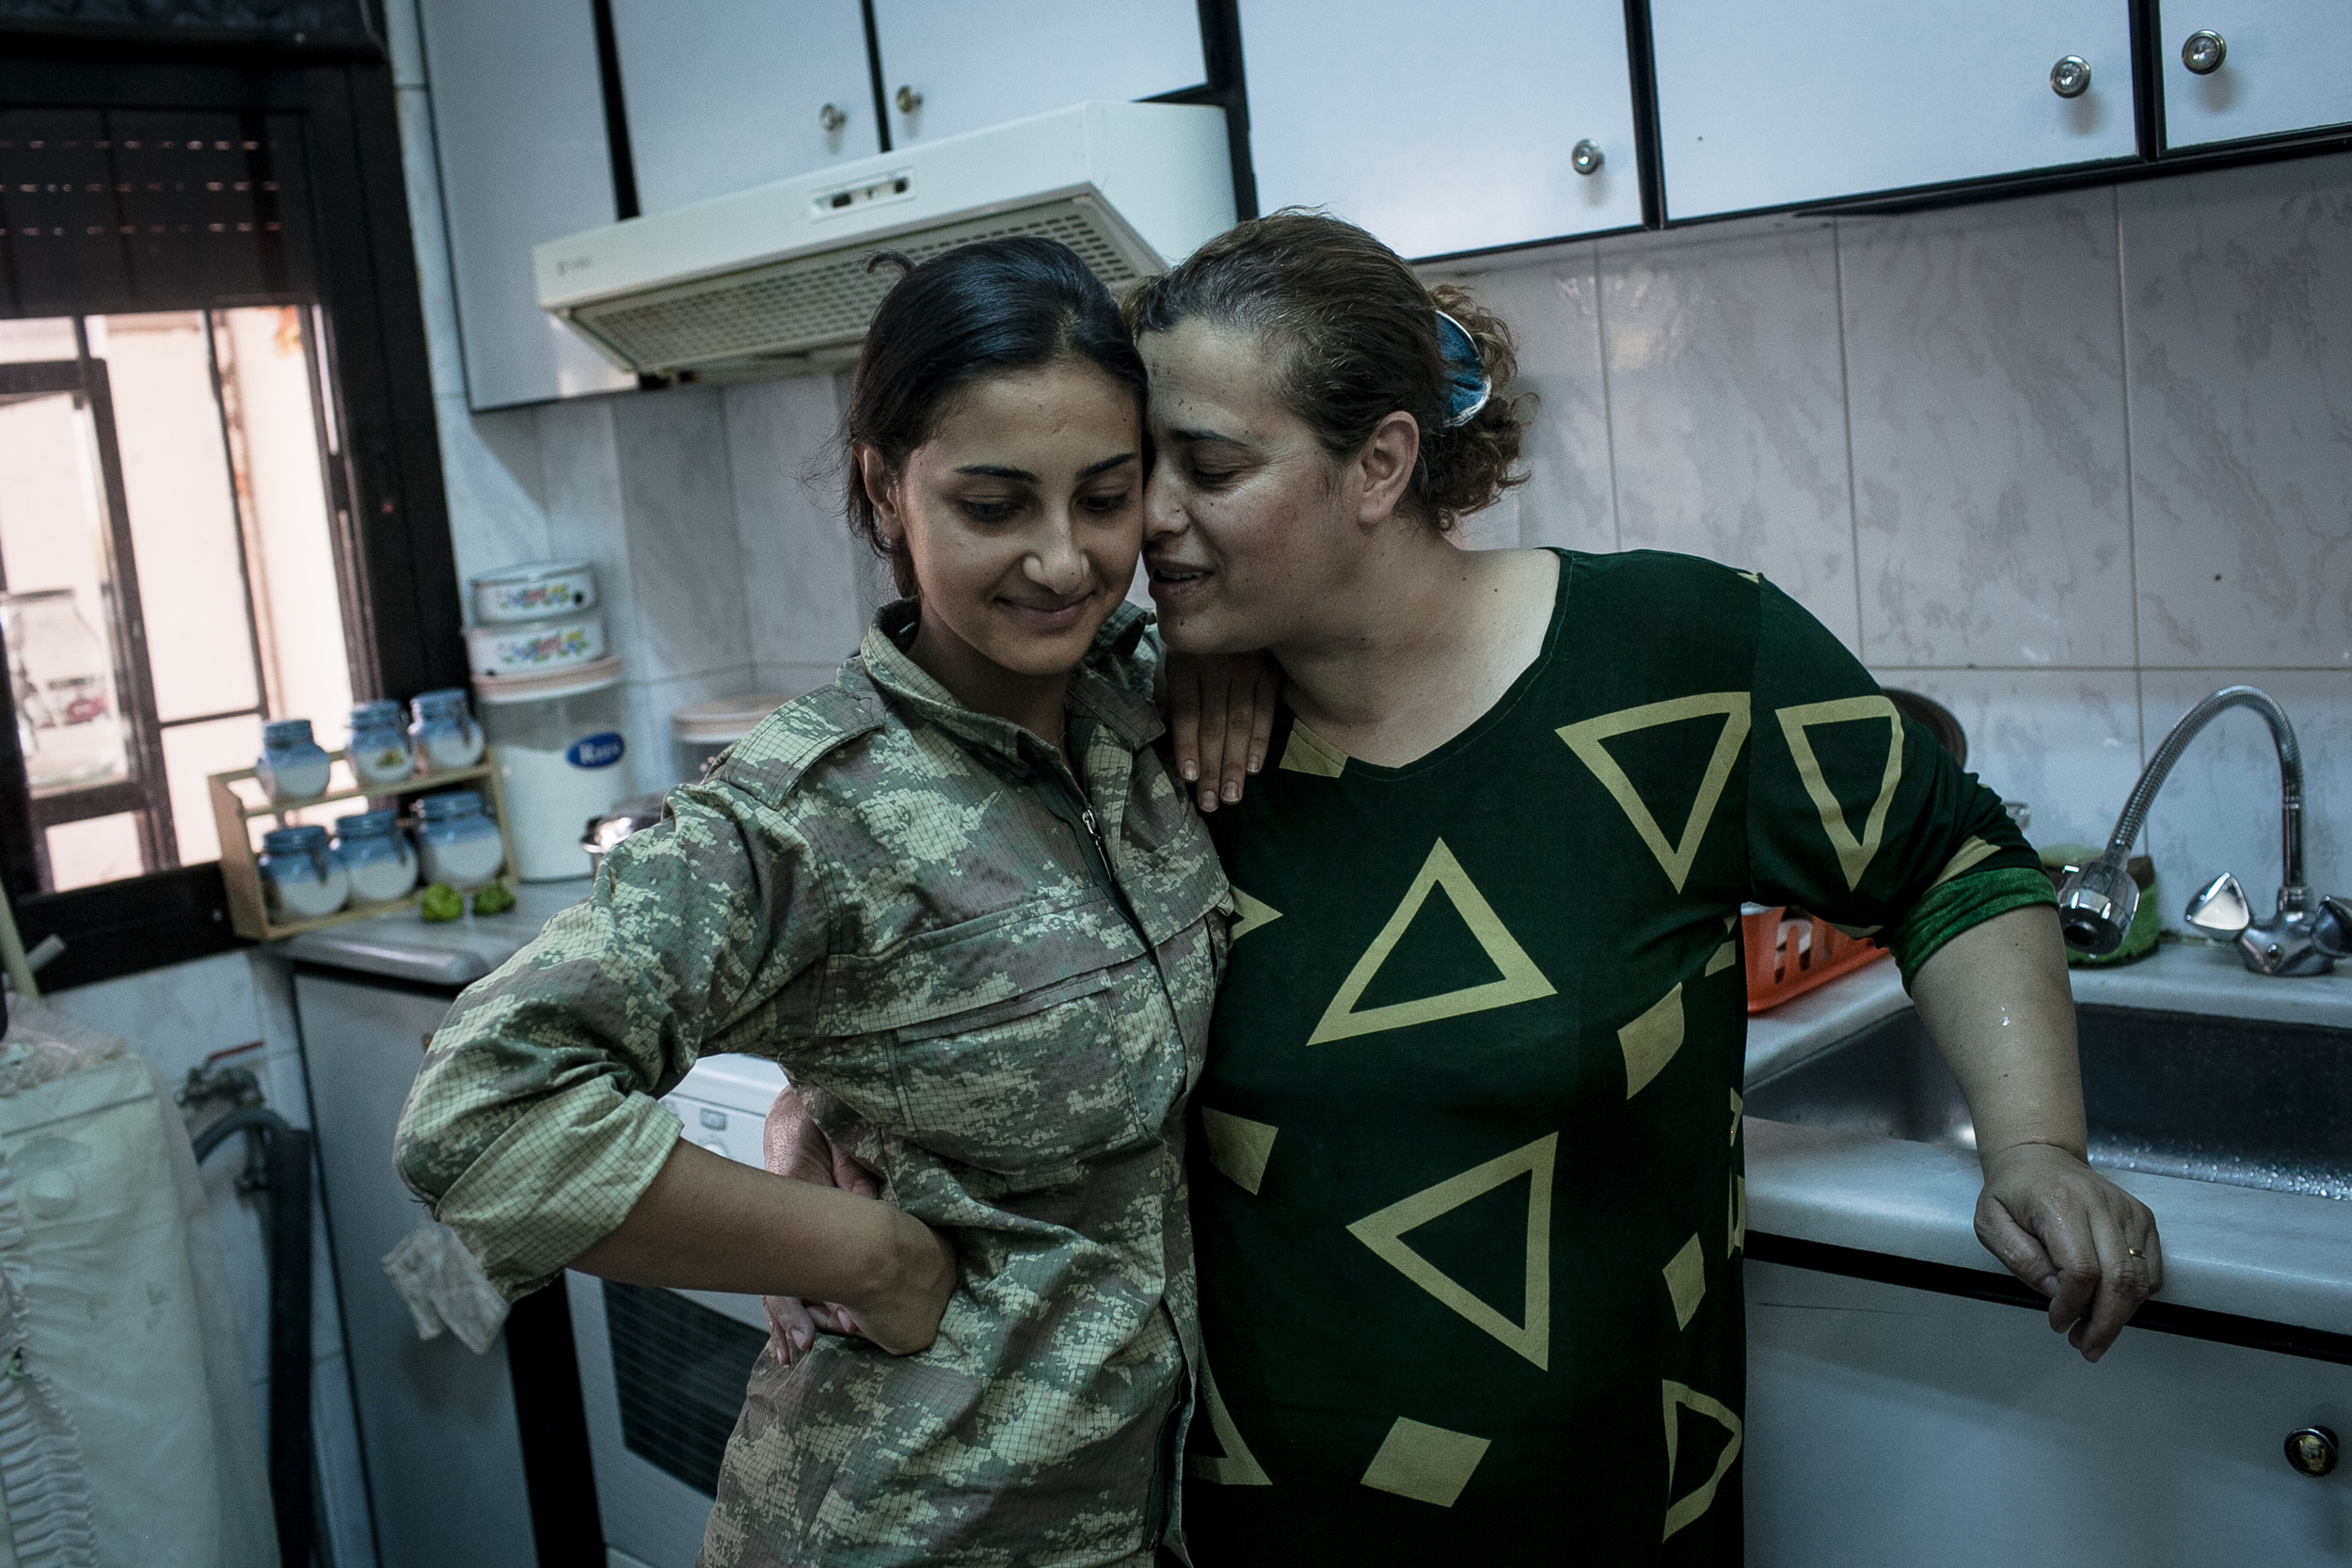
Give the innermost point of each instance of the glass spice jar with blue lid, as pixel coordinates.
(292, 767)
(374, 851)
(302, 877)
(444, 732)
(458, 844)
(378, 750)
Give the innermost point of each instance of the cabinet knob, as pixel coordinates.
(907, 100)
(1586, 156)
(2071, 76)
(2312, 1451)
(2204, 53)
(830, 117)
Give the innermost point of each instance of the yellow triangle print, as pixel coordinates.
(1680, 1396)
(1238, 1147)
(1521, 980)
(1254, 914)
(1237, 1466)
(1384, 1232)
(1853, 854)
(1674, 856)
(1309, 752)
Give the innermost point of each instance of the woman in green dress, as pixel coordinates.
(1467, 1156)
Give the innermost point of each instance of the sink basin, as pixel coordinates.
(2241, 1102)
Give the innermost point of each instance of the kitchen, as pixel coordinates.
(2027, 395)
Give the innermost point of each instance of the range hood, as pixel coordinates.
(774, 279)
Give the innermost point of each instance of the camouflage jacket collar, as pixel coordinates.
(1112, 683)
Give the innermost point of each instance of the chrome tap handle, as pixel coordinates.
(2332, 928)
(2220, 910)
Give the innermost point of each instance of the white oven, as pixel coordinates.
(662, 1372)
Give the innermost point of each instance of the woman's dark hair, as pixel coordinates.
(979, 310)
(1357, 332)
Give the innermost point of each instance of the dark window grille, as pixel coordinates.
(682, 1369)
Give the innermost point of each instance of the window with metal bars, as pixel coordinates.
(219, 490)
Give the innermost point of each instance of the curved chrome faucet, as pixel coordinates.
(2306, 936)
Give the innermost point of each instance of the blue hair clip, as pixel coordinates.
(1468, 384)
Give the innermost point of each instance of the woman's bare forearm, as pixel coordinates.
(707, 1223)
(1996, 1002)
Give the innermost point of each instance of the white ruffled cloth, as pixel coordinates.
(128, 1431)
(444, 1287)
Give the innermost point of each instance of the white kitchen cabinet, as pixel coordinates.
(723, 95)
(1768, 104)
(1887, 1424)
(2285, 66)
(1441, 130)
(952, 66)
(518, 124)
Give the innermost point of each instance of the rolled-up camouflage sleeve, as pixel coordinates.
(533, 1127)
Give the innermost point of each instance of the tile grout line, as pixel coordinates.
(1845, 407)
(2131, 509)
(1608, 410)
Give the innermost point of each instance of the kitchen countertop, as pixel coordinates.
(2279, 1256)
(2282, 1257)
(402, 946)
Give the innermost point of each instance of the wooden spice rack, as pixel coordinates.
(236, 810)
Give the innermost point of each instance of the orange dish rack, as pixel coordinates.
(1789, 952)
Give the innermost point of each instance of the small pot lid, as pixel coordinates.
(531, 571)
(569, 681)
(726, 718)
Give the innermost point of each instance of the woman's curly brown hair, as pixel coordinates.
(1358, 332)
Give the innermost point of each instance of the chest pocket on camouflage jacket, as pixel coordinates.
(1021, 1040)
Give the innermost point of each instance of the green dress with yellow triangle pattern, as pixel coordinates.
(1467, 1172)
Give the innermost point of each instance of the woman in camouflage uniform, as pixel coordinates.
(957, 897)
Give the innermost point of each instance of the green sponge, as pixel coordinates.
(2140, 940)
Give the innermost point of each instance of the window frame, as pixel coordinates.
(401, 618)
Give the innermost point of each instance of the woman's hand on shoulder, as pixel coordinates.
(2072, 1235)
(1221, 715)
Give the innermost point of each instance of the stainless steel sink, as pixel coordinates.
(2241, 1102)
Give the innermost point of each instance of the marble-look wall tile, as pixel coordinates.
(2219, 810)
(685, 562)
(1985, 388)
(1727, 409)
(801, 565)
(2237, 294)
(176, 1016)
(428, 234)
(1552, 306)
(585, 518)
(2064, 741)
(491, 474)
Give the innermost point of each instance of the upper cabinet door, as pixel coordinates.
(952, 66)
(2234, 68)
(1776, 103)
(1436, 138)
(723, 95)
(518, 122)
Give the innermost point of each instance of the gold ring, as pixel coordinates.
(2135, 1252)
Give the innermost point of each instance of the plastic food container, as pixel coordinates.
(706, 729)
(557, 744)
(375, 853)
(1789, 952)
(502, 652)
(456, 843)
(534, 591)
(292, 767)
(302, 878)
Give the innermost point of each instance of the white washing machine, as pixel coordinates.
(662, 1372)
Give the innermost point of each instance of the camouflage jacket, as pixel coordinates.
(904, 903)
